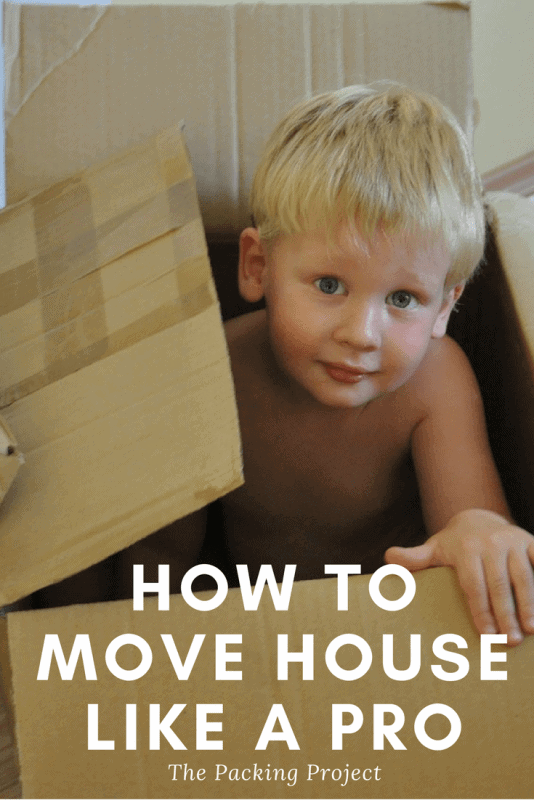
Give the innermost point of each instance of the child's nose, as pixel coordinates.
(360, 326)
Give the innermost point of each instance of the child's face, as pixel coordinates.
(350, 320)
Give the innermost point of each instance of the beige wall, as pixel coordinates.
(503, 58)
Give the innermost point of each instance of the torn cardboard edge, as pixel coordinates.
(12, 48)
(11, 459)
(12, 29)
(229, 111)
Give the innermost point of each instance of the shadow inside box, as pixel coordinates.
(104, 581)
(487, 327)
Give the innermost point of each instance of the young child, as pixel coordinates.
(362, 424)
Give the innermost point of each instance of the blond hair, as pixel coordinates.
(372, 156)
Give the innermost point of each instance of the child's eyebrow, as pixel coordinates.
(420, 280)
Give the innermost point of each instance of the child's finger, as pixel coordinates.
(412, 558)
(501, 598)
(522, 577)
(473, 582)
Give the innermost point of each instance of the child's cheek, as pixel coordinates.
(415, 337)
(288, 331)
(411, 347)
(298, 314)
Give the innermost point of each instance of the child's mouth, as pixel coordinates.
(343, 374)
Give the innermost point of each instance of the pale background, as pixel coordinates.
(503, 36)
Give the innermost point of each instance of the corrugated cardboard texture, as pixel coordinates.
(10, 458)
(113, 365)
(9, 767)
(99, 79)
(492, 757)
(514, 226)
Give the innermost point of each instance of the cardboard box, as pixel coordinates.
(99, 79)
(10, 458)
(492, 757)
(114, 366)
(135, 378)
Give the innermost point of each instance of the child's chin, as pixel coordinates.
(344, 398)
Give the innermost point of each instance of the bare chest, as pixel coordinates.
(337, 469)
(322, 485)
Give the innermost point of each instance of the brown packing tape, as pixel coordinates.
(69, 233)
(118, 450)
(80, 324)
(113, 368)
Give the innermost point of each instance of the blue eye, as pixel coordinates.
(402, 299)
(329, 286)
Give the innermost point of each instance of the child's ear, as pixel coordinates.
(251, 273)
(449, 299)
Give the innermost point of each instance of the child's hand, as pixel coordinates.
(494, 561)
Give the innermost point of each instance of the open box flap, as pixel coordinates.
(514, 229)
(114, 372)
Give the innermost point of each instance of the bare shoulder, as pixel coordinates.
(240, 329)
(445, 376)
(247, 339)
(450, 447)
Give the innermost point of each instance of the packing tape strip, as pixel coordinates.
(65, 297)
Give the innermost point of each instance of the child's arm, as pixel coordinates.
(464, 505)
